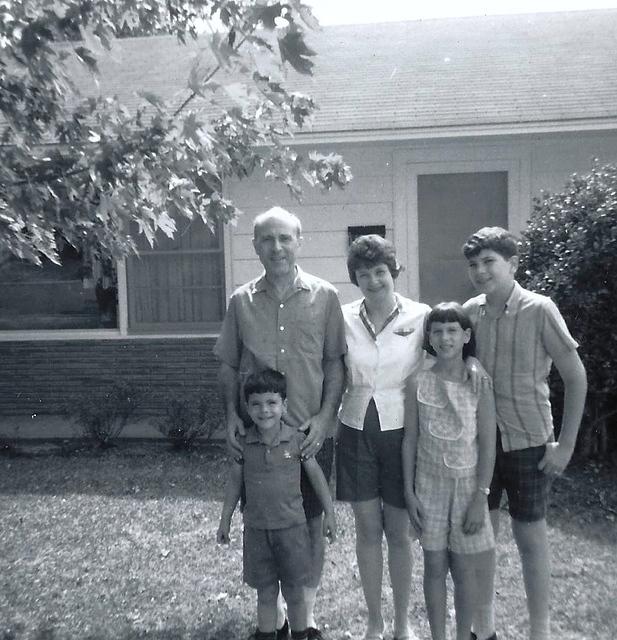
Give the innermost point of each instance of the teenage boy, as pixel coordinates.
(518, 335)
(276, 537)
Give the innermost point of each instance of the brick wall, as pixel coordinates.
(44, 377)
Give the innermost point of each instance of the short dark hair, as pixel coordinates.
(496, 239)
(449, 312)
(266, 381)
(369, 251)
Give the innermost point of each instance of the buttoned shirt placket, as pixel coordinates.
(372, 330)
(282, 319)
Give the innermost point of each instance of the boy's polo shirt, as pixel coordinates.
(294, 336)
(272, 480)
(377, 366)
(516, 348)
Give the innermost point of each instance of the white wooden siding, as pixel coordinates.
(375, 195)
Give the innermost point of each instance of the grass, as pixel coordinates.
(120, 544)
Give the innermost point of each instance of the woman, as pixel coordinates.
(384, 333)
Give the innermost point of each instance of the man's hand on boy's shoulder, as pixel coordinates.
(556, 458)
(315, 429)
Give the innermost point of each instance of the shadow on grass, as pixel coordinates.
(137, 471)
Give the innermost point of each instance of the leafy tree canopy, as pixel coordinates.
(90, 168)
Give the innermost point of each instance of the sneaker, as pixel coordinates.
(473, 636)
(315, 634)
(283, 632)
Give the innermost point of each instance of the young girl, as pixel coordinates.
(448, 459)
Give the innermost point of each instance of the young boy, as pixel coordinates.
(276, 538)
(518, 335)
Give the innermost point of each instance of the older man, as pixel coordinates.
(290, 321)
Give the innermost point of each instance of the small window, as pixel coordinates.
(363, 230)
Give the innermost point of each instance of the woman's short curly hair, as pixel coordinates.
(369, 251)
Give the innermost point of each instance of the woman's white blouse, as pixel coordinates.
(378, 367)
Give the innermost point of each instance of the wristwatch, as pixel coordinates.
(485, 490)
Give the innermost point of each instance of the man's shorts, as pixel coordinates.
(444, 505)
(310, 501)
(276, 555)
(526, 486)
(369, 462)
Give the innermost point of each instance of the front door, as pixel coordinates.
(451, 206)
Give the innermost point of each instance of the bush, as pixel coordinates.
(8, 442)
(570, 254)
(102, 418)
(189, 419)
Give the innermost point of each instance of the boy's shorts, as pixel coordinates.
(276, 555)
(369, 463)
(526, 486)
(445, 502)
(310, 501)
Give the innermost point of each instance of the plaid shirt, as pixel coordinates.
(516, 347)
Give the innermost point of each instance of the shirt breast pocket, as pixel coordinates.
(308, 330)
(432, 397)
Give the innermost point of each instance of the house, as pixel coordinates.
(448, 125)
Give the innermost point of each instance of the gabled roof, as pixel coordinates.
(491, 73)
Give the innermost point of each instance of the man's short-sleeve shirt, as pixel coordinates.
(517, 348)
(271, 476)
(294, 336)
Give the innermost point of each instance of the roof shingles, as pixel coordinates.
(429, 74)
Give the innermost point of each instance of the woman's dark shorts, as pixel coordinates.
(526, 486)
(369, 463)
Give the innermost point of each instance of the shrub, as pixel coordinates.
(102, 418)
(189, 419)
(8, 442)
(570, 254)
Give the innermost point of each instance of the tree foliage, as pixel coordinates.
(570, 254)
(89, 168)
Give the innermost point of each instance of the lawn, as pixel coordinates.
(121, 544)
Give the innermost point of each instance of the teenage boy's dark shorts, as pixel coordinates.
(273, 555)
(310, 501)
(526, 486)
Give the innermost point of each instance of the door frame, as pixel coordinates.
(460, 158)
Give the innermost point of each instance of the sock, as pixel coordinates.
(310, 595)
(541, 631)
(485, 622)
